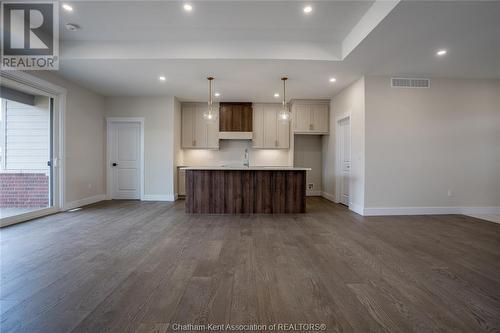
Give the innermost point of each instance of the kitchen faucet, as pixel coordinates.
(246, 160)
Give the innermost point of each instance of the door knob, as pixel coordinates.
(114, 164)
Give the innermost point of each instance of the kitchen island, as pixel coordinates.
(245, 190)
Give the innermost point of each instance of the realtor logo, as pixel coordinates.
(30, 36)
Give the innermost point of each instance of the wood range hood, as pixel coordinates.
(235, 120)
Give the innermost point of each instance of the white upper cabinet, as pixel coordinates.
(258, 126)
(196, 132)
(188, 114)
(301, 118)
(311, 117)
(268, 131)
(320, 118)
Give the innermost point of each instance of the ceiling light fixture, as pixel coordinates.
(284, 115)
(209, 115)
(307, 9)
(441, 52)
(67, 7)
(162, 78)
(332, 79)
(188, 7)
(276, 95)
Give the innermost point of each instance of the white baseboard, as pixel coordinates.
(159, 197)
(379, 211)
(356, 208)
(328, 196)
(313, 193)
(481, 210)
(84, 201)
(6, 221)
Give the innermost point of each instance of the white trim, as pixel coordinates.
(356, 208)
(235, 135)
(159, 197)
(380, 211)
(85, 201)
(33, 82)
(6, 221)
(369, 21)
(494, 218)
(109, 184)
(329, 197)
(306, 102)
(3, 142)
(313, 193)
(27, 82)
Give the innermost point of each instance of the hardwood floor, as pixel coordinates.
(130, 266)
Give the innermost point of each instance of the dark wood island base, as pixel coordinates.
(250, 191)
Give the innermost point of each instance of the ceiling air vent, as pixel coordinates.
(400, 82)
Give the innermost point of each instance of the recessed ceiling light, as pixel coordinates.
(67, 7)
(217, 94)
(441, 52)
(162, 78)
(332, 79)
(276, 95)
(307, 9)
(188, 7)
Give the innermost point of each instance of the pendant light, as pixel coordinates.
(284, 115)
(210, 115)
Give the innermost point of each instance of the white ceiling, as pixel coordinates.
(163, 21)
(249, 45)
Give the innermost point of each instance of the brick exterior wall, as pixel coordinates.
(24, 190)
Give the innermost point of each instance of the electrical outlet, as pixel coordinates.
(310, 186)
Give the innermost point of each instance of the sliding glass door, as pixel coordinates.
(26, 150)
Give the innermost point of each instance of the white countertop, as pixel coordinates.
(277, 168)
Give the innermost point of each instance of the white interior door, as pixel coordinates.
(345, 159)
(125, 159)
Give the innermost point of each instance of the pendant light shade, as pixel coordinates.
(210, 115)
(285, 115)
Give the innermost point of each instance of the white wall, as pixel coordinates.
(84, 158)
(308, 153)
(159, 151)
(231, 152)
(422, 143)
(350, 101)
(177, 142)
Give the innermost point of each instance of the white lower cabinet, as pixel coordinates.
(196, 132)
(268, 131)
